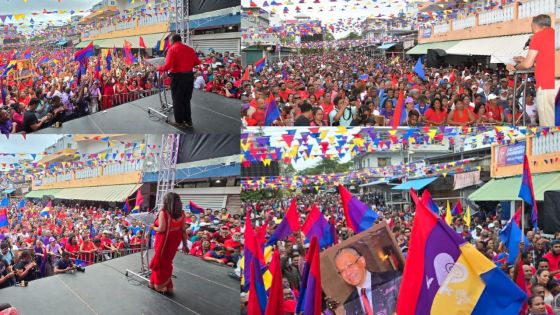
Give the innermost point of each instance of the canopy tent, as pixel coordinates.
(386, 46)
(8, 191)
(507, 189)
(422, 49)
(415, 184)
(501, 49)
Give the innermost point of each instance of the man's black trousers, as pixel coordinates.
(181, 93)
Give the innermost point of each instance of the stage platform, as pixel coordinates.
(200, 288)
(211, 113)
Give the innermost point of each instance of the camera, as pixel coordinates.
(80, 269)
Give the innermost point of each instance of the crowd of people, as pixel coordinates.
(39, 96)
(349, 88)
(541, 256)
(73, 236)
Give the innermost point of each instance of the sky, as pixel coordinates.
(34, 143)
(332, 16)
(19, 6)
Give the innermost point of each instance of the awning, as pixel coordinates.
(386, 46)
(149, 39)
(507, 189)
(422, 49)
(8, 191)
(375, 182)
(97, 42)
(415, 184)
(117, 193)
(62, 43)
(41, 193)
(501, 49)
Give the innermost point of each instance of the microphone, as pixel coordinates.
(527, 43)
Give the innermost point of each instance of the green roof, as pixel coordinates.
(507, 189)
(41, 193)
(100, 193)
(422, 49)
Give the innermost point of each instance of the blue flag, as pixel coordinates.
(419, 69)
(510, 235)
(5, 202)
(21, 204)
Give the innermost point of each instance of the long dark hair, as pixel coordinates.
(172, 205)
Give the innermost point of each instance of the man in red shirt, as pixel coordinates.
(541, 55)
(553, 257)
(180, 61)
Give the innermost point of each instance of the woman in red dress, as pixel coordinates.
(108, 92)
(170, 230)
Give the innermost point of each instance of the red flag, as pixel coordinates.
(276, 293)
(245, 76)
(517, 216)
(394, 81)
(398, 111)
(520, 281)
(452, 76)
(142, 44)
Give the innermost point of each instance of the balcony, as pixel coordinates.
(511, 19)
(546, 144)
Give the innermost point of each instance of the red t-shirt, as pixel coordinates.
(434, 116)
(543, 42)
(180, 58)
(495, 113)
(553, 262)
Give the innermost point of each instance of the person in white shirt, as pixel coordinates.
(199, 83)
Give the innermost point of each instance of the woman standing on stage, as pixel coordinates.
(170, 229)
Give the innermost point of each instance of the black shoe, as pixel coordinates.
(177, 125)
(187, 125)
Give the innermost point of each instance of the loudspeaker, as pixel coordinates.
(435, 58)
(550, 219)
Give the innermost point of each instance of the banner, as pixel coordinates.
(462, 180)
(510, 154)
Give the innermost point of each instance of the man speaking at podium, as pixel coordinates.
(180, 61)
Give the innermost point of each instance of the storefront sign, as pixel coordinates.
(408, 44)
(467, 179)
(427, 32)
(510, 154)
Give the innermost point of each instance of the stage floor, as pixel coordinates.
(211, 113)
(200, 288)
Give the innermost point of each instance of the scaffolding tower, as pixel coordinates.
(182, 20)
(167, 166)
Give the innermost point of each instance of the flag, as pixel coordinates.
(289, 225)
(11, 66)
(359, 216)
(317, 226)
(245, 76)
(399, 111)
(452, 76)
(275, 303)
(332, 225)
(194, 208)
(84, 53)
(138, 202)
(448, 216)
(27, 53)
(92, 232)
(520, 281)
(97, 73)
(517, 216)
(527, 193)
(310, 298)
(257, 293)
(129, 57)
(443, 274)
(467, 217)
(142, 44)
(251, 250)
(510, 235)
(4, 218)
(419, 69)
(272, 112)
(5, 202)
(43, 60)
(429, 202)
(284, 74)
(394, 81)
(126, 208)
(47, 210)
(457, 209)
(21, 204)
(260, 64)
(109, 60)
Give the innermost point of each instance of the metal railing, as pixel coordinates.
(496, 16)
(535, 7)
(464, 23)
(546, 144)
(108, 101)
(441, 28)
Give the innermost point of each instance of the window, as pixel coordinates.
(382, 162)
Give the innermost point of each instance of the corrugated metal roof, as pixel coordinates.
(41, 193)
(116, 193)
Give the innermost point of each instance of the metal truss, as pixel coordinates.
(167, 166)
(182, 20)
